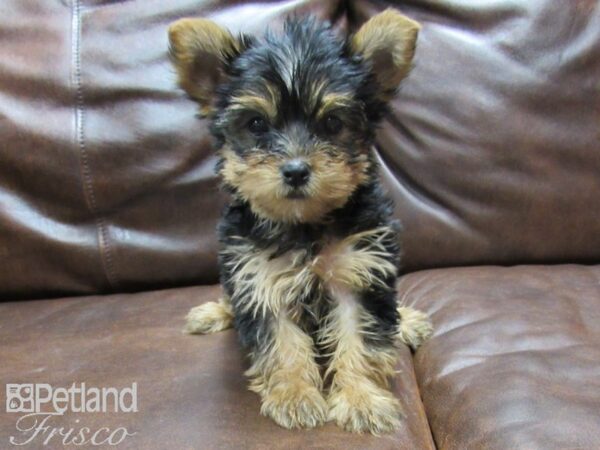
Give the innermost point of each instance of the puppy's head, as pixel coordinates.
(294, 113)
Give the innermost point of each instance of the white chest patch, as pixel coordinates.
(266, 283)
(343, 267)
(355, 262)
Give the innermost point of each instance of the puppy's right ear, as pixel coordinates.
(200, 50)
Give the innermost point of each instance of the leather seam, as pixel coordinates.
(104, 247)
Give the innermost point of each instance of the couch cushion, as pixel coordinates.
(515, 360)
(191, 391)
(103, 163)
(106, 176)
(492, 152)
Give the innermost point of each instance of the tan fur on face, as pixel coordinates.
(209, 317)
(265, 105)
(317, 96)
(288, 379)
(358, 261)
(258, 180)
(199, 48)
(388, 42)
(334, 101)
(359, 399)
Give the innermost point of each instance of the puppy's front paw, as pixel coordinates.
(415, 327)
(209, 317)
(371, 409)
(295, 406)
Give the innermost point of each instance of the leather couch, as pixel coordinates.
(108, 204)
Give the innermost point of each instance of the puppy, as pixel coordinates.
(308, 247)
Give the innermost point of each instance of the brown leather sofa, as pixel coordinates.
(108, 205)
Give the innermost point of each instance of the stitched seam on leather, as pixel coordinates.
(86, 176)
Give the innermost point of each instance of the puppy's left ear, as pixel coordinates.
(387, 42)
(201, 50)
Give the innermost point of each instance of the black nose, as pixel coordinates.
(295, 173)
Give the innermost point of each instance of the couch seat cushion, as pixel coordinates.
(191, 390)
(515, 359)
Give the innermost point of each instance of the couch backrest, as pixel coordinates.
(493, 151)
(106, 177)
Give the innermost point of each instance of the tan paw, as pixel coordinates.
(415, 327)
(295, 406)
(209, 318)
(371, 409)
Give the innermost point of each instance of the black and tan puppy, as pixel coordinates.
(309, 250)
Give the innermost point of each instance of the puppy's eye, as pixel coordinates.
(333, 124)
(257, 125)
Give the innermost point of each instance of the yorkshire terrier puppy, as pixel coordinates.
(308, 247)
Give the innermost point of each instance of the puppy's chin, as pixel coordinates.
(297, 194)
(294, 208)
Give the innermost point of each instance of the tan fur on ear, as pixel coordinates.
(388, 42)
(199, 50)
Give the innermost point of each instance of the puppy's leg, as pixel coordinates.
(265, 294)
(209, 317)
(284, 373)
(359, 274)
(362, 362)
(415, 327)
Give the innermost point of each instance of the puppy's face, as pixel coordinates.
(294, 113)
